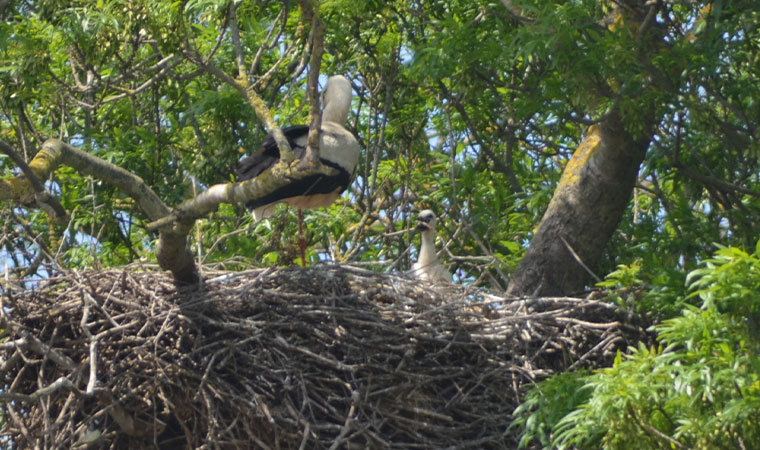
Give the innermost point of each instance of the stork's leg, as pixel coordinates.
(301, 238)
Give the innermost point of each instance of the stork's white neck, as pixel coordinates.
(337, 100)
(427, 248)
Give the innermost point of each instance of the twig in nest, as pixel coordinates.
(60, 383)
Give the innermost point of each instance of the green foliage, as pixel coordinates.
(656, 296)
(626, 276)
(729, 283)
(461, 106)
(699, 388)
(546, 404)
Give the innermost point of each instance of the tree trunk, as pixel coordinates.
(597, 183)
(587, 206)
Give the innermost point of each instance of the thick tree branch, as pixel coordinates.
(55, 153)
(173, 226)
(42, 197)
(172, 253)
(206, 202)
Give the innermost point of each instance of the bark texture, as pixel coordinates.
(585, 210)
(597, 183)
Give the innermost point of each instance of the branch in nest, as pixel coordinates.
(32, 343)
(60, 383)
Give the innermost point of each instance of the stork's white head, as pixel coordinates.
(336, 100)
(426, 221)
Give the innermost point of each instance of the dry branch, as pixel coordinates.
(325, 357)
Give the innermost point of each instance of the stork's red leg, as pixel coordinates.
(301, 238)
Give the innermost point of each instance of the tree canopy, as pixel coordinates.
(517, 121)
(472, 109)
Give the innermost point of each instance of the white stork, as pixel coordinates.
(338, 149)
(428, 267)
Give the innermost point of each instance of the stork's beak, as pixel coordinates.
(422, 225)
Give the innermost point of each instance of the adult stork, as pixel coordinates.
(428, 267)
(338, 149)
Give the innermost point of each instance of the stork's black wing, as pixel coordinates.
(268, 154)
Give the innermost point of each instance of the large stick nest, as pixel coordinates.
(326, 357)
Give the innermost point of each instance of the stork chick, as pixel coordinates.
(428, 267)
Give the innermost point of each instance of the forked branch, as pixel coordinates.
(173, 226)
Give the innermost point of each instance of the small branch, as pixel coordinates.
(39, 347)
(264, 80)
(20, 342)
(316, 37)
(487, 251)
(235, 32)
(500, 165)
(579, 261)
(654, 430)
(648, 20)
(122, 418)
(20, 424)
(271, 40)
(317, 357)
(722, 185)
(305, 434)
(166, 64)
(347, 424)
(296, 67)
(221, 239)
(93, 378)
(58, 384)
(516, 11)
(259, 108)
(8, 363)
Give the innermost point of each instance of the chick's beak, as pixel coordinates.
(422, 225)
